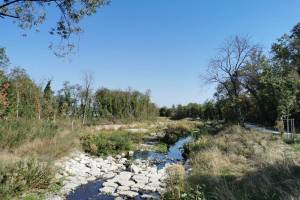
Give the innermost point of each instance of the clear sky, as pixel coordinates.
(161, 45)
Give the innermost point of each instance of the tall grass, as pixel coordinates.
(21, 176)
(15, 132)
(110, 142)
(237, 164)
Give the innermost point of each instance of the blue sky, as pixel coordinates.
(161, 45)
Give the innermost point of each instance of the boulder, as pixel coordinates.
(135, 169)
(108, 190)
(129, 194)
(109, 175)
(139, 178)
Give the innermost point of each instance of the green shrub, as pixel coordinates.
(161, 147)
(106, 143)
(15, 132)
(23, 176)
(193, 193)
(175, 131)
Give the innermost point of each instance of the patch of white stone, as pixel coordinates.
(140, 178)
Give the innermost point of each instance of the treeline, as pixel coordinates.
(206, 111)
(21, 97)
(252, 86)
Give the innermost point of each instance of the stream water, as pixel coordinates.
(90, 191)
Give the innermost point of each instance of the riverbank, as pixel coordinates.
(130, 174)
(236, 163)
(110, 170)
(120, 177)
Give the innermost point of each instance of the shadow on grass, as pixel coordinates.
(280, 181)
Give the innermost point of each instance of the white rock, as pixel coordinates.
(110, 184)
(123, 160)
(125, 176)
(148, 188)
(109, 175)
(151, 196)
(139, 178)
(107, 190)
(129, 194)
(135, 189)
(125, 182)
(130, 153)
(123, 188)
(135, 169)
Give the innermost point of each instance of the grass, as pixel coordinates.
(237, 164)
(15, 132)
(296, 147)
(28, 150)
(173, 132)
(233, 163)
(161, 147)
(26, 175)
(110, 142)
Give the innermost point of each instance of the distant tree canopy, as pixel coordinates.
(206, 111)
(251, 87)
(21, 97)
(30, 14)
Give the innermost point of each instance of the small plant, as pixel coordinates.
(175, 131)
(194, 193)
(175, 181)
(161, 148)
(110, 142)
(23, 176)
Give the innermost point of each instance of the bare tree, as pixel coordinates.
(86, 94)
(225, 69)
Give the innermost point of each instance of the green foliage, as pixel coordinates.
(161, 147)
(31, 14)
(193, 193)
(110, 143)
(176, 131)
(118, 104)
(296, 146)
(23, 176)
(15, 132)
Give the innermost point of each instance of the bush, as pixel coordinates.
(175, 131)
(175, 182)
(161, 148)
(15, 132)
(106, 143)
(23, 176)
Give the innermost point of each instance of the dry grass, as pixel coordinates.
(176, 179)
(237, 164)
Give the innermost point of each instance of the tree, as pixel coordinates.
(24, 95)
(48, 109)
(4, 85)
(86, 95)
(3, 59)
(225, 69)
(31, 13)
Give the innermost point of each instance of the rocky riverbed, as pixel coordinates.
(141, 177)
